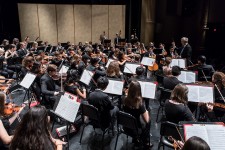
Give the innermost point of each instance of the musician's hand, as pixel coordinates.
(209, 107)
(180, 143)
(56, 93)
(59, 142)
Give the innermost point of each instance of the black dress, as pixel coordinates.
(177, 112)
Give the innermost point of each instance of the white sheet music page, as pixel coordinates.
(206, 94)
(63, 69)
(182, 77)
(213, 134)
(147, 61)
(130, 68)
(28, 80)
(109, 61)
(181, 63)
(86, 77)
(148, 89)
(114, 87)
(216, 134)
(174, 63)
(67, 108)
(190, 77)
(195, 130)
(193, 93)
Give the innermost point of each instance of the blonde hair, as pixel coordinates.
(180, 94)
(219, 78)
(113, 69)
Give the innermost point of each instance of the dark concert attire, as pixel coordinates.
(208, 72)
(48, 87)
(186, 52)
(7, 73)
(170, 82)
(101, 100)
(137, 112)
(22, 53)
(177, 112)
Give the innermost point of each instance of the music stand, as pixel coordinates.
(27, 82)
(107, 42)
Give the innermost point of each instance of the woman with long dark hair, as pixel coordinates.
(133, 104)
(33, 132)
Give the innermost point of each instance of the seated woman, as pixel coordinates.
(176, 108)
(133, 104)
(5, 123)
(33, 133)
(74, 88)
(113, 70)
(167, 70)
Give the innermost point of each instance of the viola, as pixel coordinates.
(176, 144)
(11, 108)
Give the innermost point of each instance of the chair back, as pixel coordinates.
(90, 111)
(159, 77)
(127, 121)
(170, 129)
(165, 94)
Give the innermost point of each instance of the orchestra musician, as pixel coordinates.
(73, 87)
(5, 122)
(22, 52)
(116, 39)
(113, 70)
(49, 88)
(4, 71)
(167, 70)
(169, 82)
(176, 108)
(150, 54)
(102, 37)
(11, 57)
(133, 105)
(83, 63)
(95, 67)
(33, 132)
(122, 59)
(101, 100)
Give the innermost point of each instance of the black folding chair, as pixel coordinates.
(169, 129)
(165, 94)
(129, 126)
(94, 119)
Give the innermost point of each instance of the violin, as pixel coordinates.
(11, 108)
(176, 145)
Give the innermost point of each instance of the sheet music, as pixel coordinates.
(181, 63)
(67, 108)
(130, 68)
(187, 77)
(114, 87)
(86, 77)
(147, 61)
(205, 94)
(178, 62)
(109, 61)
(28, 80)
(213, 134)
(196, 130)
(148, 89)
(64, 69)
(200, 93)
